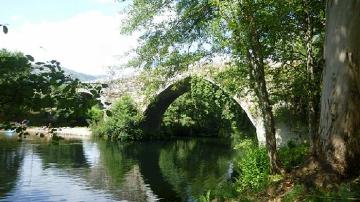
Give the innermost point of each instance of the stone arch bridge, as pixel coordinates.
(153, 112)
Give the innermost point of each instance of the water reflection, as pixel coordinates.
(69, 154)
(10, 161)
(192, 167)
(76, 170)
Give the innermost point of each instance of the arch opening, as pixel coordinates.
(154, 113)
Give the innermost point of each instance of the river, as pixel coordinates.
(95, 170)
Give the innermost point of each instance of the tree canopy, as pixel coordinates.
(29, 88)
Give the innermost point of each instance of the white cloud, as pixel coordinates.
(87, 43)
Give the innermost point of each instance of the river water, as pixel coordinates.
(93, 170)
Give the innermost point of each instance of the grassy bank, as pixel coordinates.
(305, 180)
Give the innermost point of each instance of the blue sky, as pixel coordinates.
(37, 11)
(84, 35)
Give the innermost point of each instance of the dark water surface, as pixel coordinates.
(89, 170)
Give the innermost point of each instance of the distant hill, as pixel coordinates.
(81, 76)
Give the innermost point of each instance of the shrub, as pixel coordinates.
(293, 155)
(253, 167)
(347, 191)
(123, 124)
(95, 115)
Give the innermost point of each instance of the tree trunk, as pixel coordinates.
(257, 74)
(340, 101)
(312, 102)
(267, 115)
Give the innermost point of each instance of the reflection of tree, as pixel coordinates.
(117, 159)
(147, 155)
(121, 165)
(11, 157)
(176, 170)
(65, 154)
(125, 163)
(195, 166)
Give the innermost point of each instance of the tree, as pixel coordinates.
(340, 99)
(15, 70)
(309, 22)
(30, 87)
(254, 26)
(300, 53)
(247, 31)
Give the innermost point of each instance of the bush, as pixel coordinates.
(348, 191)
(123, 124)
(95, 115)
(253, 167)
(293, 155)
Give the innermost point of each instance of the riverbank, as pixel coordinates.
(65, 132)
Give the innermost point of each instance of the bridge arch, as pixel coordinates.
(153, 113)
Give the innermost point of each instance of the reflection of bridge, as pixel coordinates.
(154, 111)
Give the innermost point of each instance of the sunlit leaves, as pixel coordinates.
(122, 123)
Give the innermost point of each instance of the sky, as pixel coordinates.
(83, 35)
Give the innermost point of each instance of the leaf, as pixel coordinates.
(108, 113)
(67, 88)
(5, 29)
(94, 92)
(29, 57)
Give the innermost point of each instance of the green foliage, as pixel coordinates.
(296, 192)
(253, 167)
(123, 124)
(14, 85)
(42, 92)
(206, 110)
(206, 197)
(274, 32)
(347, 191)
(233, 79)
(293, 155)
(95, 114)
